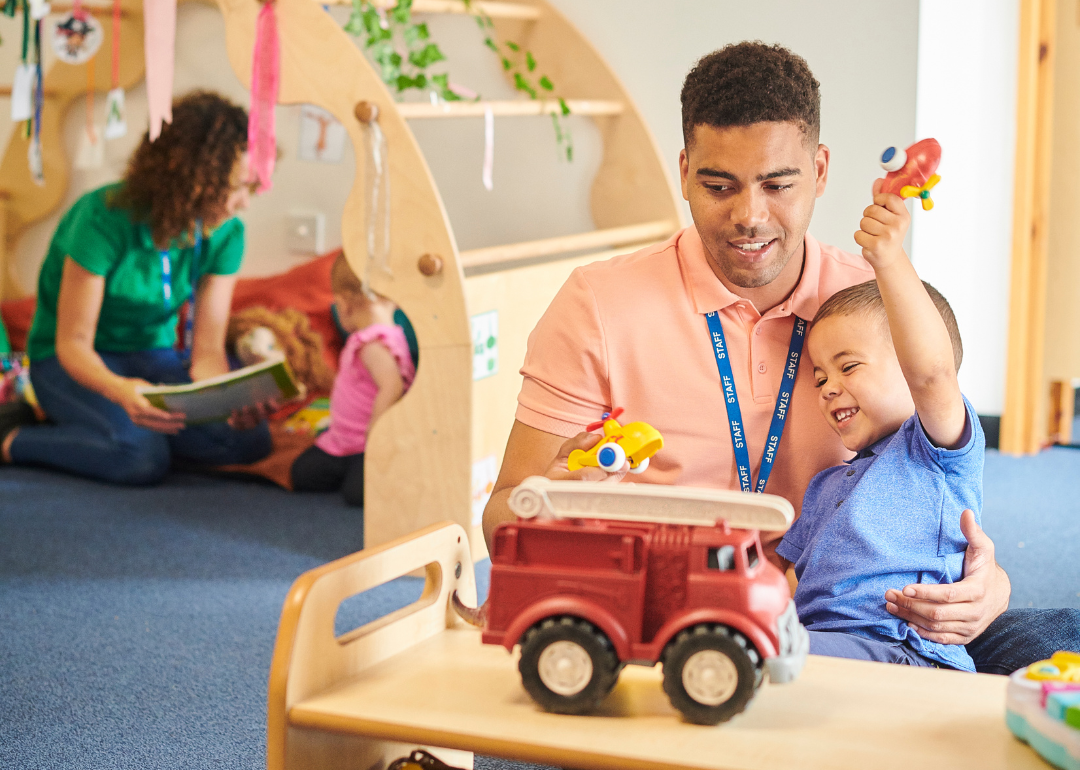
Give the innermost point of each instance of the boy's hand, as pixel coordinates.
(883, 228)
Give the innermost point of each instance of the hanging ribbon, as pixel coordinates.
(489, 149)
(115, 122)
(377, 178)
(159, 19)
(265, 79)
(90, 83)
(22, 87)
(34, 156)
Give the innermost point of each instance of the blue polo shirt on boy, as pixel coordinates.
(885, 519)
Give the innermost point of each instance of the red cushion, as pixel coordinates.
(305, 287)
(18, 314)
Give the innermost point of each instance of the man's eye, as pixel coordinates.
(718, 187)
(780, 187)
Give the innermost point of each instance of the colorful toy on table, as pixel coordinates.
(635, 441)
(584, 581)
(912, 172)
(1043, 708)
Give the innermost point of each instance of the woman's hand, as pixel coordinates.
(141, 411)
(248, 417)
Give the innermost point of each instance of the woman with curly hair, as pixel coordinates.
(122, 262)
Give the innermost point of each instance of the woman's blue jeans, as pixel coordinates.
(91, 436)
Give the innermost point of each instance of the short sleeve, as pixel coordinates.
(93, 235)
(225, 249)
(801, 530)
(565, 370)
(964, 460)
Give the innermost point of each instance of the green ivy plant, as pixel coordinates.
(403, 51)
(521, 65)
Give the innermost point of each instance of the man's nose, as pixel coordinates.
(750, 209)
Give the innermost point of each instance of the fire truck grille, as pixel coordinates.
(788, 629)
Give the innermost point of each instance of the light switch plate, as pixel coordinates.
(306, 233)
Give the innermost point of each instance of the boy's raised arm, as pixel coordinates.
(919, 335)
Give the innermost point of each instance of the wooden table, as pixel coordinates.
(422, 683)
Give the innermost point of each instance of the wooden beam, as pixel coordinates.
(566, 244)
(1021, 421)
(513, 108)
(496, 10)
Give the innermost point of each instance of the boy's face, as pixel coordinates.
(751, 191)
(861, 388)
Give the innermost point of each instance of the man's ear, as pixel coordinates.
(684, 172)
(821, 168)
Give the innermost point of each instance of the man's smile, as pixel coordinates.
(753, 249)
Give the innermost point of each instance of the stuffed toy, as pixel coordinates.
(258, 333)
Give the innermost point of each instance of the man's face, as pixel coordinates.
(751, 191)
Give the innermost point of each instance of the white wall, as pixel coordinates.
(863, 53)
(967, 101)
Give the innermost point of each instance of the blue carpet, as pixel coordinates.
(137, 625)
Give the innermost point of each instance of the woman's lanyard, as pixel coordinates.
(166, 285)
(731, 399)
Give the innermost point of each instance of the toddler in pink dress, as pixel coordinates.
(374, 371)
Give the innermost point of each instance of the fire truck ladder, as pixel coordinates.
(541, 497)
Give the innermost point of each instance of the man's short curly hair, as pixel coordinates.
(185, 174)
(751, 82)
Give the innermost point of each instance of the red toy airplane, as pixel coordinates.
(912, 172)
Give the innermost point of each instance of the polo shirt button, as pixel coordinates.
(839, 503)
(757, 330)
(761, 367)
(851, 472)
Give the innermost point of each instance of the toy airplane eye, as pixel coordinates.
(893, 159)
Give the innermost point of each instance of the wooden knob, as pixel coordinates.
(366, 112)
(430, 264)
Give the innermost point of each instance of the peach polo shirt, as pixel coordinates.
(631, 332)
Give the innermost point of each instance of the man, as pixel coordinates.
(701, 337)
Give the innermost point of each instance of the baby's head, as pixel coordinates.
(357, 308)
(861, 388)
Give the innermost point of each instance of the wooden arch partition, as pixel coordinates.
(419, 455)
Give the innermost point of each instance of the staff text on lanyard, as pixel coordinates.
(731, 401)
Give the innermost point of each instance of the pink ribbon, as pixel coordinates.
(265, 80)
(159, 18)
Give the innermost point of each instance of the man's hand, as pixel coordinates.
(882, 229)
(957, 613)
(559, 468)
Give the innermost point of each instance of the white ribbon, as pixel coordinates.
(489, 149)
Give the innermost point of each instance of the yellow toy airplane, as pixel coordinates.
(635, 441)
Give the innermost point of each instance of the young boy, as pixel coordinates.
(885, 356)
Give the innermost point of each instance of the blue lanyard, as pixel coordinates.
(166, 284)
(731, 399)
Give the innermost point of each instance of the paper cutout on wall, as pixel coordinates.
(90, 151)
(322, 138)
(39, 9)
(77, 37)
(115, 123)
(485, 339)
(159, 20)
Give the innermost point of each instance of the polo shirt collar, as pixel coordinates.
(874, 449)
(709, 294)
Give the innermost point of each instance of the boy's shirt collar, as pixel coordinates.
(873, 449)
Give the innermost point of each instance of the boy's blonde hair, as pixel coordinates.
(344, 281)
(865, 299)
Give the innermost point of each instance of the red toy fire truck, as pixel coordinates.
(595, 576)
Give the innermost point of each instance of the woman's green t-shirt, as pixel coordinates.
(106, 241)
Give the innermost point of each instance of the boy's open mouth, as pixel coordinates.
(842, 416)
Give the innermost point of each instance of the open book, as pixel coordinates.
(216, 398)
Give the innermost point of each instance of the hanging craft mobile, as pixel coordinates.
(115, 123)
(159, 24)
(33, 153)
(22, 87)
(77, 36)
(265, 78)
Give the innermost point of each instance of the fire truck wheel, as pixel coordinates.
(567, 665)
(709, 674)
